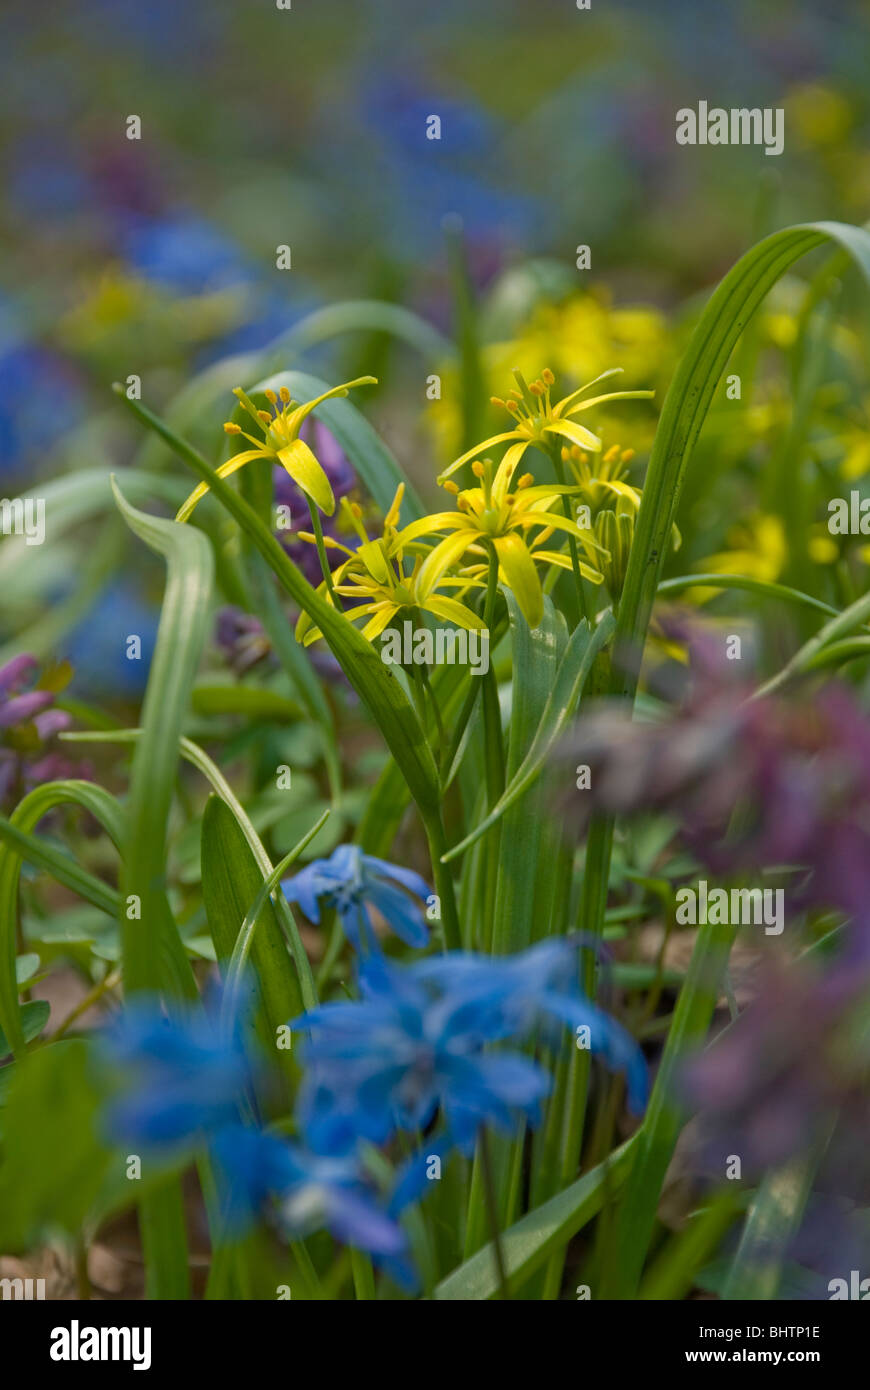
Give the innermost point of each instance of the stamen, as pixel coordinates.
(265, 417)
(271, 397)
(525, 481)
(285, 395)
(230, 428)
(451, 487)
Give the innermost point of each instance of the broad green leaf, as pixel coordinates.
(152, 953)
(54, 1158)
(231, 881)
(34, 1016)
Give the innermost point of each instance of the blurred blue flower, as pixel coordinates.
(413, 1049)
(97, 645)
(312, 1192)
(27, 428)
(182, 1079)
(182, 1084)
(184, 253)
(351, 881)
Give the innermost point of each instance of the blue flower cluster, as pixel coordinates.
(416, 1048)
(183, 1084)
(418, 1052)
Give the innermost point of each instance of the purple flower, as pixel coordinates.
(751, 782)
(242, 639)
(27, 726)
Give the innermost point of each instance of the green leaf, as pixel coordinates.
(567, 687)
(152, 952)
(17, 844)
(54, 1158)
(34, 1016)
(521, 889)
(231, 882)
(688, 399)
(771, 1224)
(528, 1244)
(665, 1115)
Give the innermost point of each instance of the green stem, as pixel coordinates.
(317, 527)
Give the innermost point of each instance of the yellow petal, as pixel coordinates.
(375, 626)
(569, 429)
(453, 612)
(226, 469)
(304, 469)
(473, 453)
(517, 569)
(296, 417)
(439, 560)
(428, 525)
(506, 470)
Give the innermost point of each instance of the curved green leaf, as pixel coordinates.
(18, 844)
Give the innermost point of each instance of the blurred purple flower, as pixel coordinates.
(27, 726)
(751, 782)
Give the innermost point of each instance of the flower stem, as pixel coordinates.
(492, 1210)
(317, 527)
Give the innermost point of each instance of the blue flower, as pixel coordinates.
(182, 1080)
(310, 1192)
(416, 1048)
(350, 882)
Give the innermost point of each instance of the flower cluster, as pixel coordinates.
(182, 1086)
(416, 1048)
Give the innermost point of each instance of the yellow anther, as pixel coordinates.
(612, 454)
(626, 456)
(510, 499)
(462, 503)
(357, 510)
(537, 388)
(525, 481)
(449, 486)
(271, 397)
(265, 417)
(497, 400)
(285, 395)
(566, 453)
(548, 376)
(230, 428)
(478, 469)
(512, 407)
